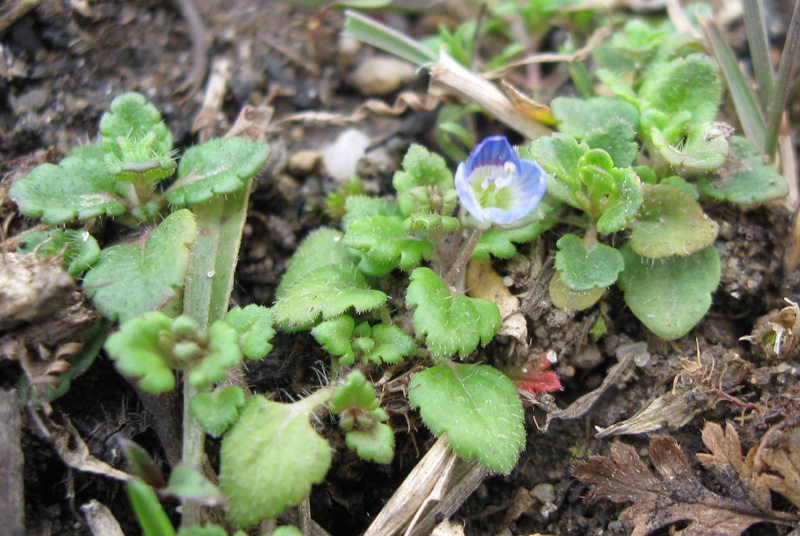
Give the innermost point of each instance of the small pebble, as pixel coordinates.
(380, 75)
(588, 357)
(302, 163)
(342, 156)
(544, 493)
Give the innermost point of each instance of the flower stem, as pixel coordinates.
(463, 258)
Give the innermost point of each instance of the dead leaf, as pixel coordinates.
(779, 451)
(73, 450)
(483, 282)
(677, 496)
(736, 475)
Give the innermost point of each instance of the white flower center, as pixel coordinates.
(500, 176)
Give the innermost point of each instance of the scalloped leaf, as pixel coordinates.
(136, 143)
(223, 352)
(327, 292)
(218, 410)
(423, 173)
(137, 352)
(355, 392)
(684, 84)
(375, 444)
(670, 223)
(582, 270)
(744, 178)
(270, 459)
(451, 323)
(219, 166)
(385, 244)
(559, 154)
(148, 274)
(334, 336)
(429, 222)
(581, 117)
(254, 326)
(477, 406)
(75, 188)
(362, 206)
(320, 248)
(392, 344)
(670, 295)
(623, 203)
(78, 248)
(616, 138)
(705, 148)
(501, 243)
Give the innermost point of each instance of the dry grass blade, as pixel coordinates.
(677, 496)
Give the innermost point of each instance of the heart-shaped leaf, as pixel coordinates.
(582, 270)
(218, 410)
(670, 223)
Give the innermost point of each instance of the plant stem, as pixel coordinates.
(463, 258)
(779, 95)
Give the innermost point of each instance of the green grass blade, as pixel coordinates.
(781, 92)
(149, 512)
(380, 36)
(759, 49)
(744, 99)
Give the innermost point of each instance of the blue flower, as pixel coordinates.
(495, 186)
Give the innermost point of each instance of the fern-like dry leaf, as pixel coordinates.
(677, 496)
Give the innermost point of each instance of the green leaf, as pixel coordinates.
(580, 117)
(218, 410)
(151, 346)
(478, 408)
(501, 242)
(705, 148)
(188, 484)
(559, 154)
(355, 392)
(387, 39)
(207, 530)
(450, 322)
(137, 352)
(334, 336)
(137, 144)
(219, 166)
(684, 84)
(328, 291)
(141, 464)
(375, 444)
(75, 188)
(683, 185)
(254, 326)
(131, 116)
(582, 270)
(424, 182)
(270, 459)
(362, 206)
(385, 244)
(428, 222)
(223, 352)
(78, 248)
(744, 178)
(133, 278)
(670, 223)
(149, 512)
(322, 247)
(617, 85)
(287, 530)
(623, 203)
(670, 295)
(615, 138)
(392, 344)
(564, 297)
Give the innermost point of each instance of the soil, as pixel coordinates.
(62, 64)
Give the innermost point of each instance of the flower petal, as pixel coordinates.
(493, 151)
(529, 188)
(466, 194)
